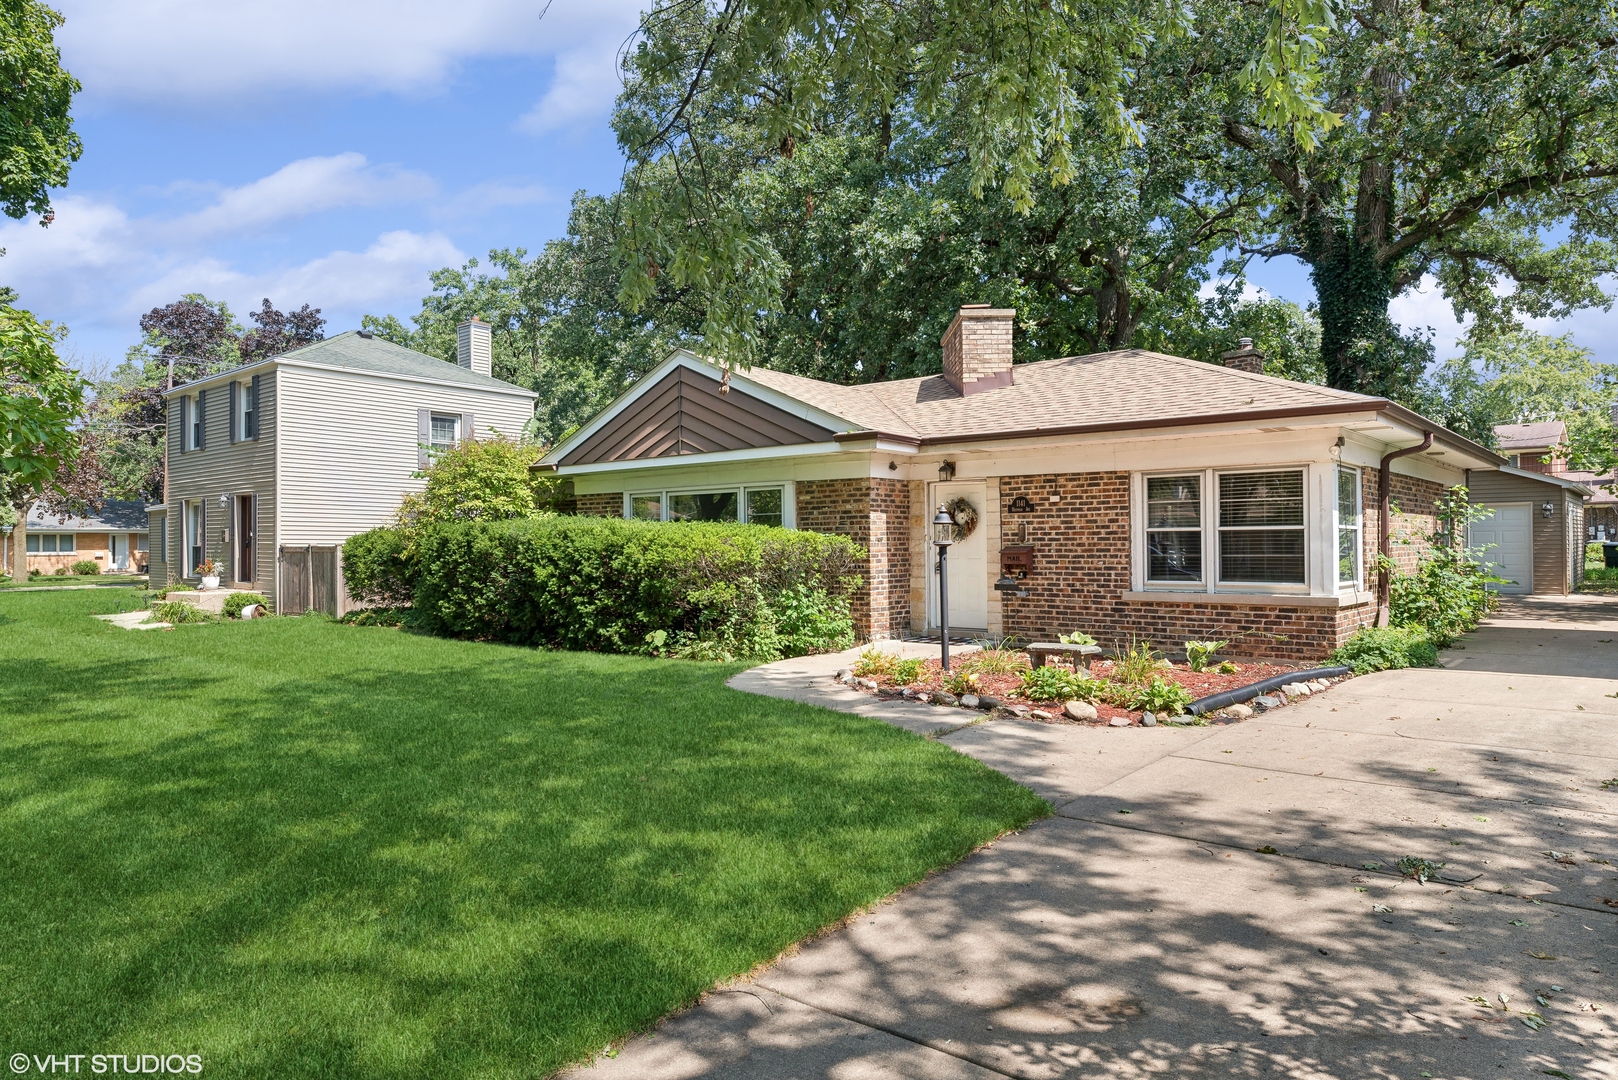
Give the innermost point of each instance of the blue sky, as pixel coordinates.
(333, 152)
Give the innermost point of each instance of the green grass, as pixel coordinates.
(73, 579)
(300, 849)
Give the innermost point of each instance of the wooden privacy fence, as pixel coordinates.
(311, 580)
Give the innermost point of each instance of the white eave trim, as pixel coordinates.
(235, 374)
(719, 457)
(688, 359)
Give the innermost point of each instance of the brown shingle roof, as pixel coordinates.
(1114, 387)
(1530, 436)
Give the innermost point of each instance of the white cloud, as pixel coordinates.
(585, 84)
(307, 187)
(204, 50)
(1424, 305)
(481, 198)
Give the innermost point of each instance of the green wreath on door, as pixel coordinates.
(965, 516)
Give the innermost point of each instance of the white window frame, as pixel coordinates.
(56, 543)
(788, 499)
(1302, 527)
(188, 534)
(433, 418)
(1358, 528)
(1201, 530)
(1211, 582)
(193, 422)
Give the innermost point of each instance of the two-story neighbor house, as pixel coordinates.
(311, 447)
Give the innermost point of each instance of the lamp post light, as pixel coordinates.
(943, 537)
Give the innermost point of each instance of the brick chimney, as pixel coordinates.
(474, 346)
(1244, 357)
(977, 348)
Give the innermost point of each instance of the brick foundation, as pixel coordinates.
(874, 513)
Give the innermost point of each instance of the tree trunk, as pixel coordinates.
(19, 545)
(1353, 288)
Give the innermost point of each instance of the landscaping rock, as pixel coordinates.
(1018, 710)
(907, 692)
(1317, 685)
(1040, 714)
(866, 684)
(1079, 710)
(987, 702)
(943, 697)
(1148, 720)
(969, 701)
(1267, 701)
(844, 675)
(1296, 689)
(1238, 712)
(1119, 721)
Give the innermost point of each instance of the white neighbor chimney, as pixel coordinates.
(474, 346)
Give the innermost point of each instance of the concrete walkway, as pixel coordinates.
(1141, 932)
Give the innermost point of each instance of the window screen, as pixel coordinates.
(1261, 528)
(720, 506)
(1174, 528)
(764, 506)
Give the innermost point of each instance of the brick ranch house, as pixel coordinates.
(1129, 494)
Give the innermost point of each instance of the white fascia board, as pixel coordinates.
(688, 359)
(221, 377)
(718, 457)
(1023, 444)
(235, 375)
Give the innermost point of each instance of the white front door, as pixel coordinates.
(968, 561)
(1508, 532)
(120, 551)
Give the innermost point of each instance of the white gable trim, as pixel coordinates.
(687, 359)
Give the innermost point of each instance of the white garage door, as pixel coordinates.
(1508, 532)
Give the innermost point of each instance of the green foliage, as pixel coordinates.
(1448, 595)
(86, 567)
(1199, 654)
(1001, 659)
(1160, 696)
(37, 142)
(41, 401)
(179, 612)
(480, 480)
(377, 568)
(809, 620)
(1420, 871)
(377, 616)
(163, 593)
(235, 602)
(1077, 637)
(873, 663)
(1386, 648)
(1138, 664)
(60, 571)
(1520, 377)
(908, 671)
(606, 584)
(1053, 683)
(961, 680)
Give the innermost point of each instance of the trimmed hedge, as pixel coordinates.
(705, 590)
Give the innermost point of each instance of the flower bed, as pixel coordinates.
(1005, 688)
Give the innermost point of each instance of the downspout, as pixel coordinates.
(1384, 544)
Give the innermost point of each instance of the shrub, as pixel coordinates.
(163, 593)
(1448, 595)
(1161, 696)
(481, 480)
(605, 584)
(1052, 683)
(960, 681)
(1383, 648)
(908, 671)
(235, 602)
(178, 612)
(376, 569)
(1199, 654)
(377, 616)
(60, 571)
(874, 663)
(999, 659)
(86, 567)
(810, 620)
(34, 572)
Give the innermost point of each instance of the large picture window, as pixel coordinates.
(1261, 530)
(1350, 526)
(51, 543)
(764, 505)
(1174, 529)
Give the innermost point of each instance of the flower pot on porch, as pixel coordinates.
(210, 582)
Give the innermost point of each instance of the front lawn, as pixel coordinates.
(46, 580)
(299, 849)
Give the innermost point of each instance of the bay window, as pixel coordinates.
(1261, 528)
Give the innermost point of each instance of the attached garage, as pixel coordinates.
(1534, 529)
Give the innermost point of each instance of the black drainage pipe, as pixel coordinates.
(1215, 702)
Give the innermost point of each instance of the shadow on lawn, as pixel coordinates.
(362, 854)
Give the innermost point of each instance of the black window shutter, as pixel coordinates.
(235, 408)
(424, 435)
(202, 419)
(469, 427)
(184, 409)
(253, 401)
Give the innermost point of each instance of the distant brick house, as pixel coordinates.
(113, 538)
(1128, 494)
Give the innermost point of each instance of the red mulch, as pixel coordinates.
(1008, 688)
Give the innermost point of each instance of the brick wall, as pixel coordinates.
(1412, 520)
(1082, 571)
(608, 504)
(876, 515)
(978, 348)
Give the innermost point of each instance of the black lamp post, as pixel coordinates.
(943, 536)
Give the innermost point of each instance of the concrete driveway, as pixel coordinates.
(1142, 931)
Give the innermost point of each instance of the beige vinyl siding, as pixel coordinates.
(225, 468)
(349, 444)
(1552, 574)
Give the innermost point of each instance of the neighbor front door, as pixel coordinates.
(968, 560)
(120, 551)
(246, 518)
